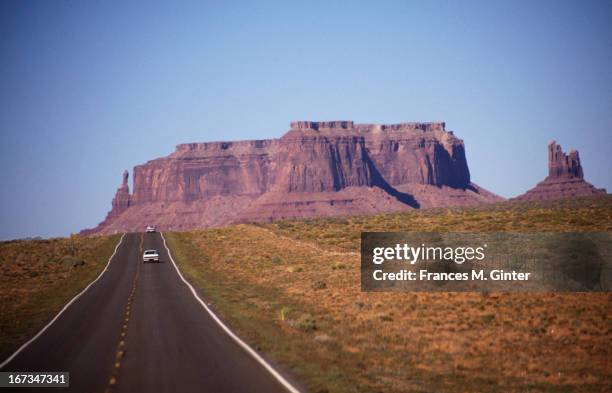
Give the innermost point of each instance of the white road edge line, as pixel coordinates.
(30, 341)
(227, 330)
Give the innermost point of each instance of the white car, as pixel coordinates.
(150, 229)
(150, 256)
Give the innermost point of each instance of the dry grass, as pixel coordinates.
(343, 233)
(39, 276)
(292, 289)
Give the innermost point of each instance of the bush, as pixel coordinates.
(71, 261)
(487, 319)
(306, 323)
(284, 313)
(292, 269)
(284, 225)
(319, 285)
(385, 317)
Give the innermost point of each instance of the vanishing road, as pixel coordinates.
(140, 329)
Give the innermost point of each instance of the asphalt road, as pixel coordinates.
(139, 329)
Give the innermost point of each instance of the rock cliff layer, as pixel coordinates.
(565, 178)
(315, 169)
(121, 201)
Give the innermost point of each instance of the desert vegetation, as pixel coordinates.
(292, 290)
(40, 276)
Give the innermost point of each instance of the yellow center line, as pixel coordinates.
(120, 352)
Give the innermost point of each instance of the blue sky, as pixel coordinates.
(92, 88)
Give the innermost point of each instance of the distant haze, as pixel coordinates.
(92, 88)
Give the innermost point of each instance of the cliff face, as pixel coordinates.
(316, 168)
(419, 153)
(565, 178)
(320, 163)
(198, 171)
(561, 165)
(121, 201)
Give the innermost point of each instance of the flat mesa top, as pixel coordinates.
(350, 125)
(311, 128)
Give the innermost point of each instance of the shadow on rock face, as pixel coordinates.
(379, 181)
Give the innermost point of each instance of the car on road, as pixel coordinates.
(150, 229)
(150, 256)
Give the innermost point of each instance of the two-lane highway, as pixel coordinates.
(140, 329)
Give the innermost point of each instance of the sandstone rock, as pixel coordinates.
(565, 178)
(319, 163)
(315, 169)
(120, 203)
(561, 164)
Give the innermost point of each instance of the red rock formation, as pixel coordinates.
(319, 163)
(315, 169)
(561, 165)
(120, 203)
(565, 178)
